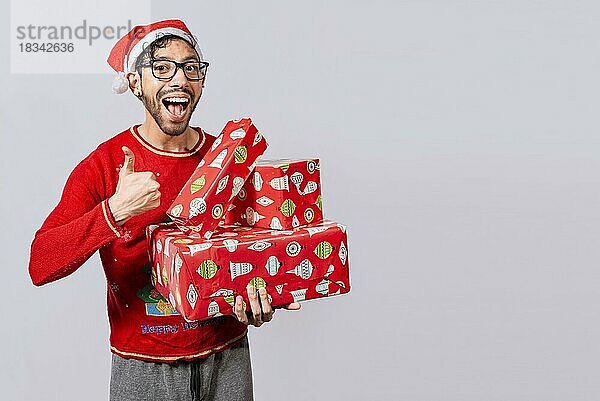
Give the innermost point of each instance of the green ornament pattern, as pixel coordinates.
(241, 154)
(287, 207)
(323, 249)
(207, 269)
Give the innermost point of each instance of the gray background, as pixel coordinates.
(459, 144)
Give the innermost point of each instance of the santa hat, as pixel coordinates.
(124, 54)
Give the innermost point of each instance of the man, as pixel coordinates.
(109, 199)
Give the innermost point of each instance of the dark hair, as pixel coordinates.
(150, 50)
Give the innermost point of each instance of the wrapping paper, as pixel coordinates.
(220, 175)
(201, 278)
(280, 194)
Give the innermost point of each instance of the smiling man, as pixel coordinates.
(110, 198)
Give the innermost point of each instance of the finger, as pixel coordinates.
(254, 305)
(293, 306)
(128, 164)
(251, 320)
(151, 198)
(153, 204)
(239, 310)
(267, 310)
(152, 187)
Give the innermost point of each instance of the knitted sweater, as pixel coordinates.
(143, 324)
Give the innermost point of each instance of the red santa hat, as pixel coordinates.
(124, 54)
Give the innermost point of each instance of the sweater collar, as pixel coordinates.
(154, 149)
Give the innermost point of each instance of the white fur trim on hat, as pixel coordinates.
(120, 83)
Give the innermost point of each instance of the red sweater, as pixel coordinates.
(143, 324)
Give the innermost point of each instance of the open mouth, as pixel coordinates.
(176, 105)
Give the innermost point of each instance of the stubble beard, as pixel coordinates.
(154, 107)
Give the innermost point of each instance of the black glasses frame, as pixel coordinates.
(203, 65)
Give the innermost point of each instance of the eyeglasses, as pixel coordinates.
(166, 69)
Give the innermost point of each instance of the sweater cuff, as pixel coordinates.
(110, 220)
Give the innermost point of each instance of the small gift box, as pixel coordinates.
(280, 194)
(201, 277)
(220, 175)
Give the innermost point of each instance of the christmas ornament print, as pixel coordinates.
(208, 193)
(293, 249)
(207, 269)
(296, 178)
(299, 295)
(343, 253)
(177, 264)
(275, 224)
(273, 265)
(257, 282)
(252, 217)
(304, 269)
(215, 144)
(231, 244)
(222, 183)
(292, 265)
(323, 287)
(323, 249)
(195, 248)
(257, 138)
(283, 191)
(279, 288)
(213, 309)
(217, 211)
(228, 295)
(310, 187)
(239, 269)
(238, 183)
(192, 296)
(264, 201)
(280, 183)
(237, 134)
(176, 210)
(257, 181)
(241, 154)
(197, 206)
(287, 207)
(260, 246)
(198, 184)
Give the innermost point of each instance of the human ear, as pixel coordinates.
(135, 83)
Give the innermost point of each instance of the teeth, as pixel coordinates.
(177, 100)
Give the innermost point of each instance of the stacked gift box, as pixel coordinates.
(242, 221)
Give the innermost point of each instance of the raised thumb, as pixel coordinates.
(129, 161)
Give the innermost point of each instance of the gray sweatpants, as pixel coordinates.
(226, 375)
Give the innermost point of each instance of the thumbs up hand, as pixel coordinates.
(136, 193)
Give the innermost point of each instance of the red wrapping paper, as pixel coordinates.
(201, 278)
(280, 195)
(220, 175)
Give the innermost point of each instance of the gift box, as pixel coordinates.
(201, 277)
(220, 175)
(280, 195)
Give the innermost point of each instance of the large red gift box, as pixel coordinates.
(220, 175)
(201, 277)
(280, 194)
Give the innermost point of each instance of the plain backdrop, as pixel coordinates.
(459, 143)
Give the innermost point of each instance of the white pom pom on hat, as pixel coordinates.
(120, 83)
(125, 52)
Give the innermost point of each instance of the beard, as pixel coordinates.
(159, 113)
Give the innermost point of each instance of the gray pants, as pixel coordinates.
(226, 375)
